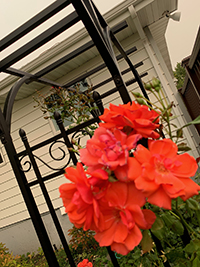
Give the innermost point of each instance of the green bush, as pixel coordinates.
(6, 258)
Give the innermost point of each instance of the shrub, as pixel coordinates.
(6, 258)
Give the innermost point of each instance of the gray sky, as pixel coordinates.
(180, 36)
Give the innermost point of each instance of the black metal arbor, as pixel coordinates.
(102, 37)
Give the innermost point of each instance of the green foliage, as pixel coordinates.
(6, 258)
(73, 105)
(29, 260)
(179, 74)
(81, 240)
(84, 246)
(164, 110)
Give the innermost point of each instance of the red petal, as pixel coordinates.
(134, 169)
(139, 217)
(87, 158)
(121, 173)
(188, 167)
(148, 187)
(121, 233)
(119, 248)
(134, 238)
(191, 188)
(164, 147)
(150, 217)
(117, 194)
(138, 199)
(160, 198)
(132, 140)
(105, 238)
(142, 154)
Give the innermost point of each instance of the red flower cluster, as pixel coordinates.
(133, 118)
(165, 174)
(121, 176)
(108, 150)
(108, 208)
(85, 263)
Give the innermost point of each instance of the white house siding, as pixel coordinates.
(12, 208)
(31, 120)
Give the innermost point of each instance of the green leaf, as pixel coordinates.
(182, 265)
(183, 147)
(192, 204)
(174, 125)
(146, 242)
(193, 246)
(195, 121)
(173, 224)
(158, 224)
(196, 262)
(179, 133)
(158, 228)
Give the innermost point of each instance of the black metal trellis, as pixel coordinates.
(101, 36)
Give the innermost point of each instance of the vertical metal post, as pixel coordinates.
(74, 159)
(101, 38)
(47, 198)
(112, 257)
(27, 194)
(97, 99)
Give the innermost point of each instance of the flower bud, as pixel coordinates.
(147, 86)
(140, 101)
(157, 88)
(137, 94)
(155, 82)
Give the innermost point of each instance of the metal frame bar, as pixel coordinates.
(44, 15)
(77, 52)
(27, 194)
(47, 198)
(101, 36)
(40, 40)
(27, 77)
(100, 67)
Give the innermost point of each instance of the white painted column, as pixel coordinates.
(166, 80)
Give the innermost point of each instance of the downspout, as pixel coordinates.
(161, 76)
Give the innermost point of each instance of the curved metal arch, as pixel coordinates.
(8, 106)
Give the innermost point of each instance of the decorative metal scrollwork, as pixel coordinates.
(77, 136)
(64, 154)
(83, 132)
(25, 163)
(58, 159)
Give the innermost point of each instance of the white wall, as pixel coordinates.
(30, 119)
(25, 116)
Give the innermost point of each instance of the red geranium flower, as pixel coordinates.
(124, 218)
(108, 150)
(85, 263)
(165, 175)
(80, 201)
(137, 118)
